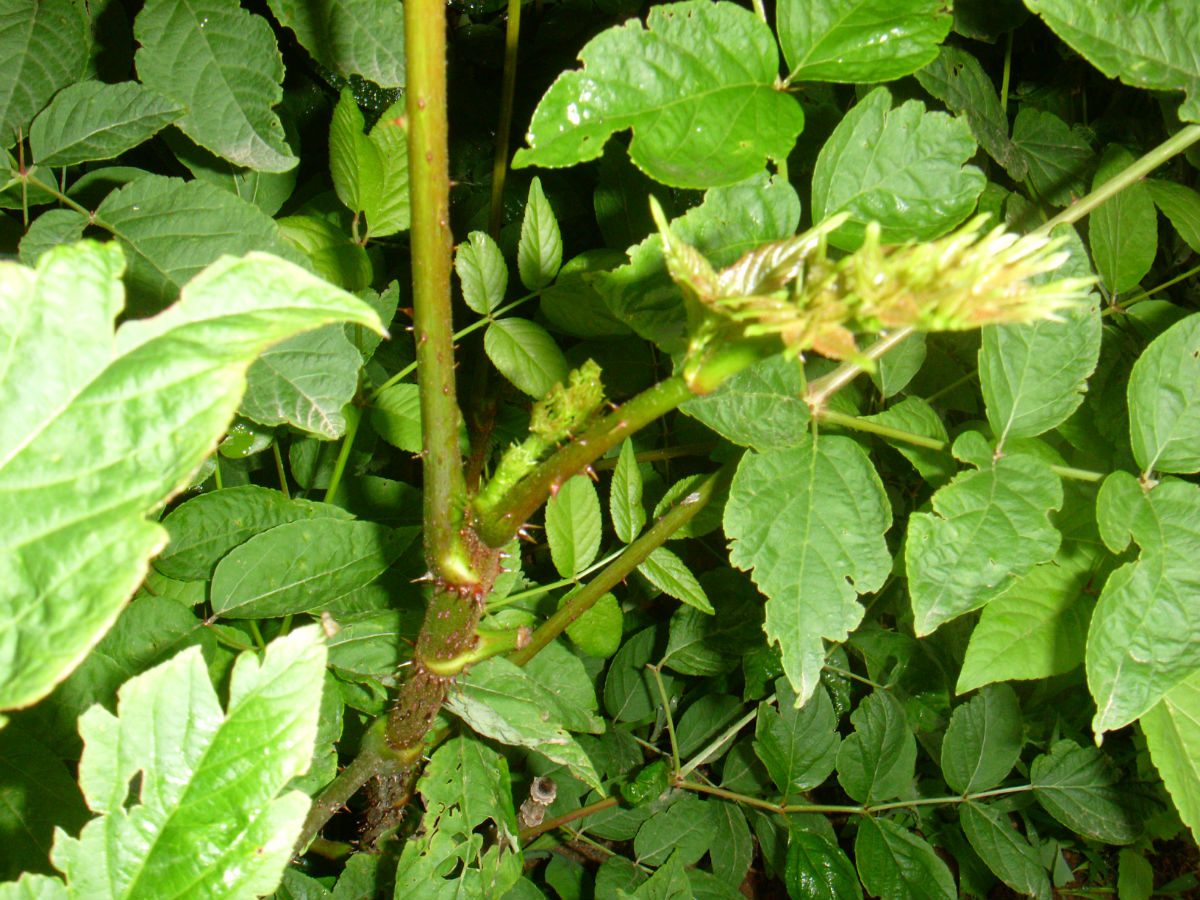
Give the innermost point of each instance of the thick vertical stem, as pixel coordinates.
(432, 246)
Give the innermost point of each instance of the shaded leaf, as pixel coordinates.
(1123, 233)
(915, 416)
(92, 121)
(396, 416)
(683, 831)
(759, 407)
(539, 252)
(1059, 157)
(696, 85)
(329, 250)
(351, 37)
(1075, 785)
(1181, 205)
(1005, 851)
(983, 741)
(817, 869)
(1172, 730)
(798, 746)
(896, 864)
(1164, 400)
(876, 762)
(625, 495)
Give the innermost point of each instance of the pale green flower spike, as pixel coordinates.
(793, 290)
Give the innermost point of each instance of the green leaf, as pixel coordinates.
(1123, 232)
(810, 522)
(374, 644)
(526, 355)
(598, 631)
(51, 228)
(697, 86)
(983, 741)
(1034, 375)
(220, 63)
(670, 574)
(896, 864)
(483, 272)
(539, 253)
(573, 526)
(1005, 850)
(388, 209)
(1035, 629)
(877, 761)
(703, 644)
(798, 746)
(139, 412)
(683, 830)
(896, 368)
(1154, 49)
(1135, 875)
(40, 794)
(266, 190)
(988, 527)
(574, 306)
(92, 121)
(45, 48)
(1181, 205)
(1075, 785)
(1058, 156)
(467, 791)
(759, 407)
(958, 80)
(859, 40)
(304, 381)
(732, 849)
(506, 704)
(670, 882)
(916, 416)
(396, 416)
(728, 223)
(904, 168)
(817, 869)
(628, 693)
(1172, 729)
(208, 526)
(329, 250)
(208, 817)
(370, 172)
(702, 720)
(300, 566)
(1164, 401)
(625, 495)
(1144, 638)
(351, 37)
(145, 216)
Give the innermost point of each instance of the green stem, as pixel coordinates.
(613, 574)
(666, 705)
(432, 247)
(217, 472)
(1168, 149)
(353, 415)
(541, 589)
(512, 36)
(819, 391)
(279, 470)
(720, 741)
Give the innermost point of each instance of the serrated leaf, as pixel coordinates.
(1144, 637)
(732, 849)
(904, 168)
(574, 306)
(396, 416)
(354, 163)
(860, 40)
(506, 704)
(143, 409)
(810, 522)
(482, 271)
(1075, 785)
(625, 495)
(573, 526)
(697, 85)
(759, 407)
(1123, 233)
(388, 209)
(372, 645)
(539, 252)
(598, 631)
(729, 222)
(466, 786)
(147, 216)
(525, 354)
(93, 121)
(703, 644)
(221, 64)
(670, 574)
(1034, 375)
(628, 694)
(329, 250)
(817, 869)
(304, 381)
(266, 190)
(684, 831)
(1172, 730)
(45, 48)
(958, 80)
(1181, 205)
(798, 746)
(51, 228)
(915, 416)
(702, 720)
(1035, 629)
(877, 761)
(988, 527)
(896, 864)
(206, 527)
(208, 818)
(1059, 157)
(351, 37)
(1164, 401)
(1154, 49)
(300, 566)
(1005, 850)
(983, 741)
